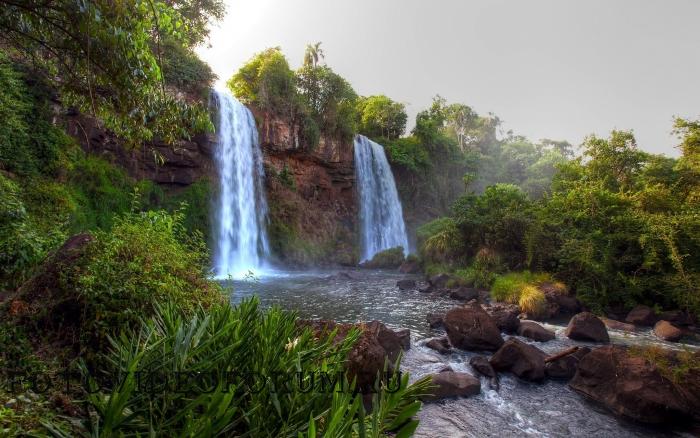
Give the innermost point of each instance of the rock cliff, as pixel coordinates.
(310, 190)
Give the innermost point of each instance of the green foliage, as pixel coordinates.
(22, 244)
(193, 203)
(314, 98)
(439, 240)
(229, 346)
(29, 144)
(102, 60)
(183, 70)
(286, 178)
(380, 116)
(330, 100)
(407, 152)
(267, 82)
(145, 258)
(387, 259)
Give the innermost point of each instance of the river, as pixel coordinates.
(518, 408)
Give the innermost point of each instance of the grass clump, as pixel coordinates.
(524, 289)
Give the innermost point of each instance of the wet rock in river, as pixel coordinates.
(482, 366)
(667, 331)
(534, 331)
(587, 327)
(406, 284)
(505, 316)
(439, 281)
(642, 315)
(435, 319)
(617, 325)
(471, 328)
(453, 384)
(565, 367)
(441, 345)
(464, 293)
(523, 360)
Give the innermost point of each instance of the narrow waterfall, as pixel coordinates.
(241, 209)
(381, 217)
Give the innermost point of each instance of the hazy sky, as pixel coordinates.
(558, 69)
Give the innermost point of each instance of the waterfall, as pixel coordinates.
(381, 217)
(241, 210)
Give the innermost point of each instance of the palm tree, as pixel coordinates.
(313, 54)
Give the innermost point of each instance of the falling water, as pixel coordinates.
(240, 240)
(381, 216)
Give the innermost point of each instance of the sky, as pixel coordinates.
(559, 69)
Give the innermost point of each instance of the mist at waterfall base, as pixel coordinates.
(381, 216)
(240, 241)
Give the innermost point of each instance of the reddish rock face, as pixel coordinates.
(321, 207)
(523, 360)
(587, 327)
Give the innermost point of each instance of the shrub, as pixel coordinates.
(439, 240)
(144, 259)
(380, 116)
(182, 69)
(225, 345)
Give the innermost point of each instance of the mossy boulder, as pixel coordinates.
(388, 259)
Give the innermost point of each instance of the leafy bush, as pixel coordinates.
(144, 259)
(183, 70)
(439, 240)
(221, 349)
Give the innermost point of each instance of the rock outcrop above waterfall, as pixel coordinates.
(636, 387)
(170, 165)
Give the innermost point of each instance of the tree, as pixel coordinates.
(101, 57)
(614, 161)
(381, 117)
(313, 54)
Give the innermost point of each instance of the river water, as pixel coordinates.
(518, 408)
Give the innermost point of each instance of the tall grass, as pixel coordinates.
(524, 289)
(242, 341)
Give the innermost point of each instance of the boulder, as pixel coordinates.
(667, 331)
(534, 331)
(376, 344)
(617, 325)
(426, 289)
(435, 319)
(642, 315)
(439, 281)
(633, 387)
(565, 367)
(453, 384)
(587, 327)
(482, 366)
(505, 316)
(558, 300)
(678, 318)
(441, 345)
(406, 284)
(410, 266)
(471, 328)
(464, 293)
(405, 338)
(523, 360)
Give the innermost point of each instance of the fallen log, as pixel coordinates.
(561, 354)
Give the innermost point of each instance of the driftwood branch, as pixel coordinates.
(561, 354)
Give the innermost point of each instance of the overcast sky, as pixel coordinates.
(558, 69)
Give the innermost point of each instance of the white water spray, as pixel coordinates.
(241, 244)
(381, 215)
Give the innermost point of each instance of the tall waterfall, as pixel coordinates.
(381, 216)
(241, 209)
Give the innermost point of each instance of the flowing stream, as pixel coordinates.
(381, 216)
(519, 408)
(241, 244)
